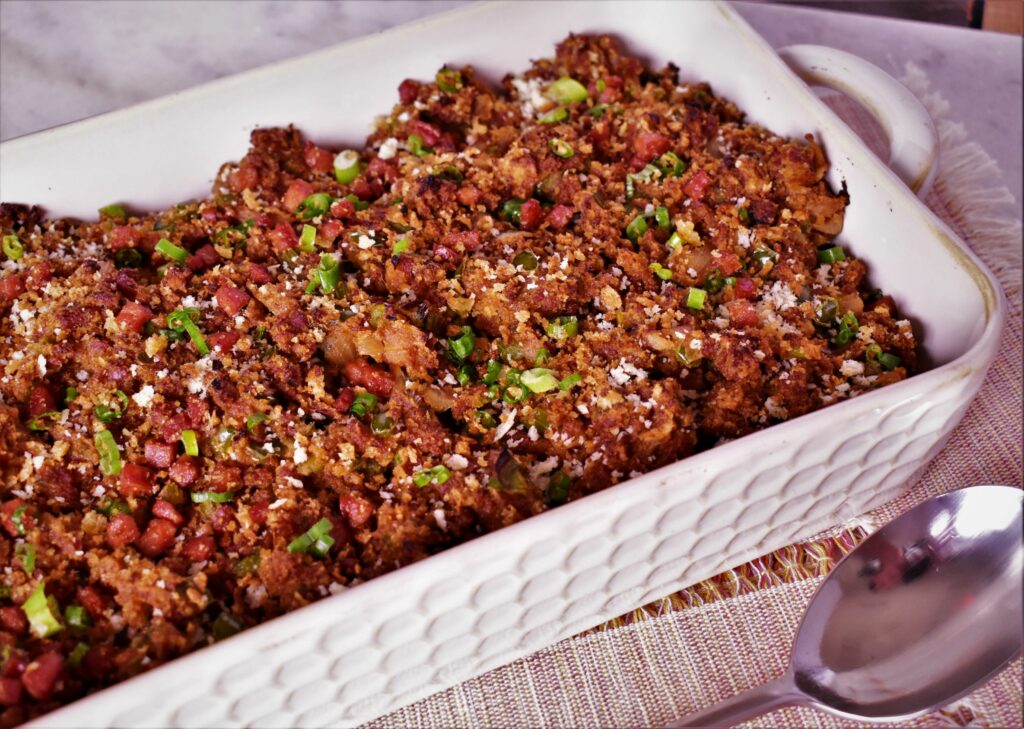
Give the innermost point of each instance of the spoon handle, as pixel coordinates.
(752, 702)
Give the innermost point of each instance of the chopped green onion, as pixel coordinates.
(888, 361)
(27, 554)
(661, 215)
(76, 617)
(598, 110)
(674, 241)
(253, 420)
(558, 488)
(381, 424)
(745, 217)
(39, 611)
(542, 356)
(848, 327)
(562, 327)
(690, 355)
(416, 146)
(449, 80)
(492, 373)
(401, 247)
(105, 414)
(317, 540)
(113, 211)
(36, 422)
(184, 321)
(561, 148)
(636, 228)
(247, 565)
(16, 519)
(75, 656)
(168, 249)
(872, 351)
(510, 210)
(833, 254)
(110, 507)
(326, 276)
(729, 280)
(13, 248)
(356, 202)
(764, 255)
(525, 260)
(465, 374)
(215, 497)
(554, 116)
(570, 381)
(307, 241)
(462, 345)
(436, 475)
(826, 311)
(346, 166)
(539, 379)
(695, 298)
(128, 258)
(448, 172)
(70, 394)
(110, 457)
(225, 626)
(484, 419)
(670, 165)
(714, 282)
(566, 91)
(665, 274)
(364, 403)
(313, 206)
(191, 443)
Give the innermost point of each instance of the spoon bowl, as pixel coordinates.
(922, 612)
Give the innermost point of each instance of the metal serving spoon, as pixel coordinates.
(922, 612)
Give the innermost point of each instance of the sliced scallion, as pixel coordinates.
(13, 248)
(674, 241)
(554, 116)
(561, 148)
(36, 423)
(661, 216)
(346, 166)
(570, 381)
(416, 146)
(27, 554)
(76, 617)
(562, 327)
(313, 206)
(216, 497)
(316, 540)
(636, 228)
(39, 611)
(670, 165)
(558, 488)
(525, 260)
(168, 249)
(888, 361)
(832, 254)
(566, 91)
(436, 475)
(253, 420)
(184, 321)
(665, 274)
(695, 298)
(16, 519)
(462, 346)
(363, 403)
(449, 80)
(510, 210)
(400, 247)
(191, 442)
(745, 216)
(113, 211)
(307, 241)
(110, 457)
(539, 379)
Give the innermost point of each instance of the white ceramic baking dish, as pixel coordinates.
(423, 628)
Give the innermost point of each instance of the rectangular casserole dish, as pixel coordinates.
(423, 628)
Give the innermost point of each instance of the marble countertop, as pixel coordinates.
(65, 61)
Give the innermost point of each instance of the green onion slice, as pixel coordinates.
(326, 276)
(70, 394)
(216, 497)
(566, 91)
(510, 210)
(563, 327)
(674, 241)
(436, 475)
(561, 148)
(16, 519)
(492, 373)
(27, 554)
(416, 146)
(888, 361)
(128, 258)
(832, 254)
(307, 241)
(253, 420)
(670, 165)
(317, 540)
(449, 80)
(570, 381)
(665, 274)
(39, 611)
(110, 457)
(462, 346)
(695, 298)
(191, 442)
(558, 488)
(168, 249)
(554, 116)
(76, 617)
(36, 423)
(113, 211)
(13, 248)
(346, 166)
(313, 206)
(364, 403)
(661, 215)
(745, 217)
(184, 321)
(525, 260)
(539, 379)
(636, 228)
(401, 246)
(77, 654)
(381, 424)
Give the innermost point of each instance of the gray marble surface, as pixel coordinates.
(62, 61)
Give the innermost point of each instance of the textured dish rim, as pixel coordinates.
(977, 356)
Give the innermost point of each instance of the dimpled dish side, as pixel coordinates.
(484, 603)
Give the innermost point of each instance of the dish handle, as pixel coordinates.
(913, 141)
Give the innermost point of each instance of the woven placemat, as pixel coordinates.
(734, 631)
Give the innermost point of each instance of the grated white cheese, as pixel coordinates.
(388, 148)
(144, 396)
(851, 368)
